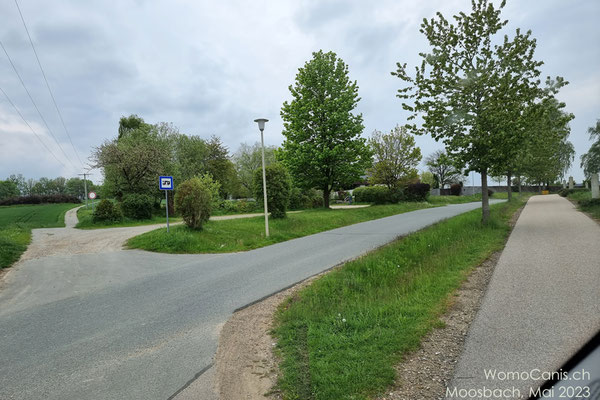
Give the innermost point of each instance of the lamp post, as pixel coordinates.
(261, 126)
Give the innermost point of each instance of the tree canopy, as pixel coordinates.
(443, 169)
(590, 161)
(471, 91)
(396, 157)
(322, 147)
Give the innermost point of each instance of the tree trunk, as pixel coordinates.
(485, 201)
(508, 181)
(326, 194)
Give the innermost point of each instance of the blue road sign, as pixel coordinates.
(165, 183)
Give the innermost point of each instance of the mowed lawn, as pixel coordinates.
(16, 223)
(249, 233)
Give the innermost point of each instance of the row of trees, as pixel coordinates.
(17, 185)
(480, 94)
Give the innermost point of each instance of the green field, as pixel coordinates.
(340, 337)
(249, 233)
(16, 223)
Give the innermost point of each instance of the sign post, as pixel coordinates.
(92, 195)
(166, 183)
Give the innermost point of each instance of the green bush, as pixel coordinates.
(238, 206)
(417, 192)
(137, 206)
(565, 192)
(278, 189)
(194, 200)
(106, 211)
(300, 200)
(455, 189)
(377, 195)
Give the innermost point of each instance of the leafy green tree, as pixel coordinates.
(443, 169)
(396, 157)
(247, 159)
(590, 161)
(322, 147)
(220, 166)
(8, 189)
(428, 178)
(19, 180)
(133, 162)
(191, 153)
(76, 187)
(470, 91)
(278, 189)
(546, 155)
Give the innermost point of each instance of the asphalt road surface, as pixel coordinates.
(542, 303)
(139, 325)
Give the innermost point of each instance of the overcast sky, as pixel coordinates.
(213, 67)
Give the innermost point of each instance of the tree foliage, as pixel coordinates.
(443, 169)
(471, 91)
(590, 161)
(278, 189)
(396, 157)
(322, 147)
(247, 159)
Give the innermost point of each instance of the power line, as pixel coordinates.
(32, 130)
(47, 84)
(34, 104)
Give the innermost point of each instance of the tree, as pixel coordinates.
(396, 157)
(278, 188)
(220, 166)
(76, 187)
(191, 153)
(546, 155)
(8, 189)
(590, 161)
(428, 178)
(133, 161)
(322, 146)
(247, 159)
(442, 168)
(19, 180)
(470, 91)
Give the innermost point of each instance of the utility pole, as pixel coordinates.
(85, 175)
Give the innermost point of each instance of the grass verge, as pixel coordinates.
(16, 223)
(85, 221)
(340, 337)
(248, 233)
(584, 202)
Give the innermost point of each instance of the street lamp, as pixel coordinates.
(261, 126)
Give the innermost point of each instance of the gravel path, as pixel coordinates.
(542, 303)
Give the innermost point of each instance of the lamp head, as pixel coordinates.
(261, 123)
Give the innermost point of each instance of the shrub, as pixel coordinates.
(194, 200)
(455, 189)
(106, 211)
(490, 193)
(377, 195)
(137, 206)
(238, 206)
(278, 189)
(417, 192)
(40, 199)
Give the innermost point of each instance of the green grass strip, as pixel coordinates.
(340, 337)
(249, 233)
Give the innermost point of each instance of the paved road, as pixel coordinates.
(543, 301)
(138, 325)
